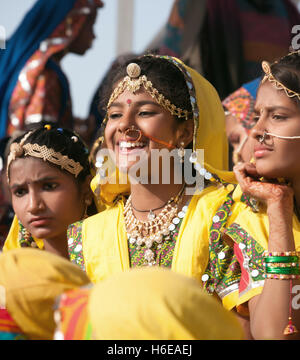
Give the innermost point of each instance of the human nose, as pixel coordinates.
(126, 122)
(35, 203)
(259, 129)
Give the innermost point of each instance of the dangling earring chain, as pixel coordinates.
(151, 232)
(25, 238)
(181, 152)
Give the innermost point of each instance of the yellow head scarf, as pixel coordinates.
(31, 280)
(209, 131)
(157, 304)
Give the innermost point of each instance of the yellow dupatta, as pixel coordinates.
(104, 236)
(185, 312)
(31, 280)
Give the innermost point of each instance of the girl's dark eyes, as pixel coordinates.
(274, 116)
(114, 116)
(278, 117)
(50, 186)
(19, 192)
(146, 113)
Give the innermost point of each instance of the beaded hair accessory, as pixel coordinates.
(278, 85)
(133, 82)
(43, 152)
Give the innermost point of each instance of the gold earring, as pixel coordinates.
(181, 152)
(25, 238)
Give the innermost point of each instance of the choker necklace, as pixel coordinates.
(151, 233)
(151, 215)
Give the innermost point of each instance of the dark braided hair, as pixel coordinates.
(287, 72)
(63, 141)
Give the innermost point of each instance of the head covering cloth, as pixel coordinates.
(31, 280)
(167, 306)
(241, 104)
(56, 24)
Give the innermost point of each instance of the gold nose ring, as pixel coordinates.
(133, 133)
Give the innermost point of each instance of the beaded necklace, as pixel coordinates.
(153, 232)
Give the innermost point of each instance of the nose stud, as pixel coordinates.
(262, 138)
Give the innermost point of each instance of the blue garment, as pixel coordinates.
(252, 87)
(37, 25)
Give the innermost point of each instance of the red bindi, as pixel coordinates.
(129, 101)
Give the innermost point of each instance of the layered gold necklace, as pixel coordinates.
(153, 232)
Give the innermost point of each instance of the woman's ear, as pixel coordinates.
(185, 132)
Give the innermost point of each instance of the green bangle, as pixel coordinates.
(281, 259)
(283, 271)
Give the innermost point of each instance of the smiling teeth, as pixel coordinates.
(125, 144)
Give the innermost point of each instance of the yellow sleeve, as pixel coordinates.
(11, 241)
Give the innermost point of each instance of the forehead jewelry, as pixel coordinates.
(278, 85)
(133, 82)
(43, 152)
(128, 101)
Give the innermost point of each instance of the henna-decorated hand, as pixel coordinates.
(268, 191)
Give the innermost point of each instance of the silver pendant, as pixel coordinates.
(151, 215)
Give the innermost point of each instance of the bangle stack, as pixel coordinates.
(283, 265)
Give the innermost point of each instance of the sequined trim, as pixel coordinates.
(191, 89)
(232, 268)
(250, 255)
(223, 271)
(74, 236)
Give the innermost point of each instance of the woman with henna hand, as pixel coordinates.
(273, 180)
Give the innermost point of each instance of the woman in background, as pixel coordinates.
(33, 87)
(239, 111)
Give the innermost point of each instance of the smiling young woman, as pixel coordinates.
(48, 174)
(153, 104)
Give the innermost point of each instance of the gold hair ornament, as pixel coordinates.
(43, 152)
(133, 82)
(278, 85)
